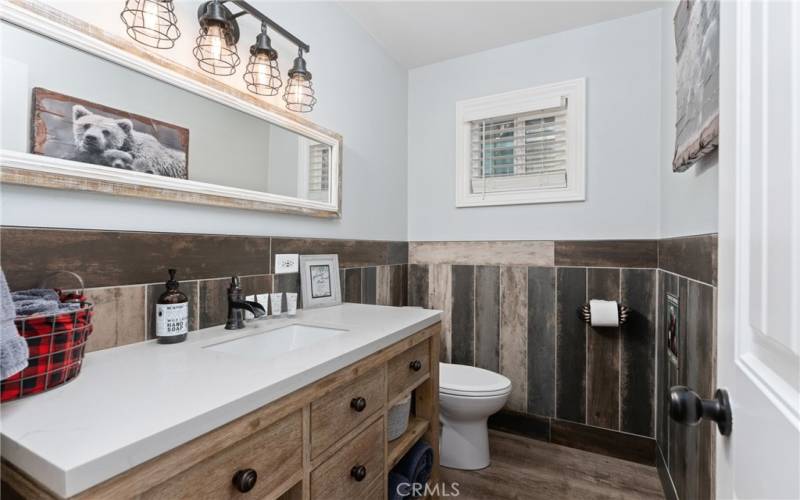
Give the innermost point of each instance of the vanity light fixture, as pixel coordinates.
(215, 48)
(151, 22)
(299, 94)
(262, 75)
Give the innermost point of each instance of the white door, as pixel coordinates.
(759, 248)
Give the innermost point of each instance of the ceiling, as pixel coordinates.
(416, 33)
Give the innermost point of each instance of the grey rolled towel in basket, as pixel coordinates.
(417, 464)
(13, 348)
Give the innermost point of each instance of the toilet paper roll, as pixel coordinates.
(604, 312)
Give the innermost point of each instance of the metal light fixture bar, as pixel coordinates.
(269, 22)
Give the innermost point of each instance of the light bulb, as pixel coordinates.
(262, 69)
(150, 15)
(215, 37)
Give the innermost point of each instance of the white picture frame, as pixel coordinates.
(319, 281)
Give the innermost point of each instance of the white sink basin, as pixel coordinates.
(273, 343)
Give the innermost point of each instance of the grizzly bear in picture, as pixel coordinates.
(114, 143)
(73, 129)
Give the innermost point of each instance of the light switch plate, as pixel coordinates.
(287, 263)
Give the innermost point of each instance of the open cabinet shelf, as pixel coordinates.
(397, 448)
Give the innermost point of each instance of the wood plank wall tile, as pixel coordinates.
(116, 258)
(638, 351)
(398, 285)
(418, 278)
(369, 282)
(383, 281)
(463, 319)
(119, 316)
(571, 345)
(352, 286)
(691, 256)
(607, 253)
(213, 302)
(677, 432)
(290, 283)
(698, 371)
(192, 291)
(490, 253)
(352, 253)
(662, 364)
(514, 333)
(608, 442)
(487, 317)
(603, 360)
(440, 296)
(541, 340)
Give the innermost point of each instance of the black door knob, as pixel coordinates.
(358, 404)
(415, 365)
(359, 472)
(688, 408)
(245, 480)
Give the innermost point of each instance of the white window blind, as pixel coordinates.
(520, 152)
(318, 169)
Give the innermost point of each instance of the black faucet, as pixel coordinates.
(237, 306)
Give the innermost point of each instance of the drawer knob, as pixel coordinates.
(359, 472)
(358, 404)
(245, 480)
(415, 365)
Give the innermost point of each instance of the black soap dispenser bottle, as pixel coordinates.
(172, 313)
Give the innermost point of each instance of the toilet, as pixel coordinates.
(467, 397)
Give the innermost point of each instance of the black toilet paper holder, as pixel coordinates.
(585, 313)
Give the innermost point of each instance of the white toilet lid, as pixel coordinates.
(471, 381)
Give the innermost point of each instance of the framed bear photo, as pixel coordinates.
(74, 129)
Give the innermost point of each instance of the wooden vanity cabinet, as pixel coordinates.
(324, 441)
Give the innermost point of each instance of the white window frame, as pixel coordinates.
(516, 102)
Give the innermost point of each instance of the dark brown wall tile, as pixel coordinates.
(352, 286)
(213, 302)
(352, 253)
(662, 365)
(521, 424)
(602, 371)
(607, 253)
(487, 317)
(290, 283)
(418, 275)
(398, 285)
(612, 443)
(692, 256)
(571, 345)
(369, 285)
(463, 329)
(189, 288)
(114, 258)
(638, 351)
(541, 340)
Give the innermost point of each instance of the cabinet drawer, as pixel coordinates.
(274, 453)
(408, 368)
(344, 408)
(338, 477)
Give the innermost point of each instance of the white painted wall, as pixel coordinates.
(688, 200)
(621, 62)
(362, 95)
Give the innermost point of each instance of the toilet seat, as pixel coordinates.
(471, 382)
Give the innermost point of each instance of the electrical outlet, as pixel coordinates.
(287, 263)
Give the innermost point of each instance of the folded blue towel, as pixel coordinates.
(13, 348)
(399, 487)
(417, 464)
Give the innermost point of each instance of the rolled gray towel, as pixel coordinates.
(36, 293)
(13, 348)
(30, 307)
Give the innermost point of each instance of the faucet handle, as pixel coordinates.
(235, 283)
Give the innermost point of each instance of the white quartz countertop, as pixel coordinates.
(133, 403)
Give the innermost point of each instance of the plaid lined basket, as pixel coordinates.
(56, 346)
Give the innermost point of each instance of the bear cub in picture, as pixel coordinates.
(114, 143)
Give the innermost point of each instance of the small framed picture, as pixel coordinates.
(319, 281)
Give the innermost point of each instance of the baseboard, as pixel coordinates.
(630, 447)
(670, 493)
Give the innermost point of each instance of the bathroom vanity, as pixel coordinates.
(287, 408)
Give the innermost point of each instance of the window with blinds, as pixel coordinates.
(519, 152)
(318, 168)
(525, 146)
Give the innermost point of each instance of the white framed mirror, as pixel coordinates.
(87, 110)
